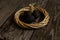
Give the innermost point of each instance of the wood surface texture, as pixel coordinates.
(9, 30)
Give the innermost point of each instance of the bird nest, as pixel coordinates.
(31, 9)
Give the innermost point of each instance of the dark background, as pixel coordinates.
(9, 30)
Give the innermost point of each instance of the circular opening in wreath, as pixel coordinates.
(34, 17)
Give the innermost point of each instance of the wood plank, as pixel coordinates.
(57, 31)
(7, 7)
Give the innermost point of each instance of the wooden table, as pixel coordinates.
(9, 30)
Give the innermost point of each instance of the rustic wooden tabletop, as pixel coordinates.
(9, 30)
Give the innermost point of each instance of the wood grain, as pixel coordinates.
(9, 30)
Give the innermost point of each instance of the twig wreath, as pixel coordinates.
(31, 8)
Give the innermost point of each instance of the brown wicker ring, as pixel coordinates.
(32, 25)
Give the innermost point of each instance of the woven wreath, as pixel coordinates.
(31, 25)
